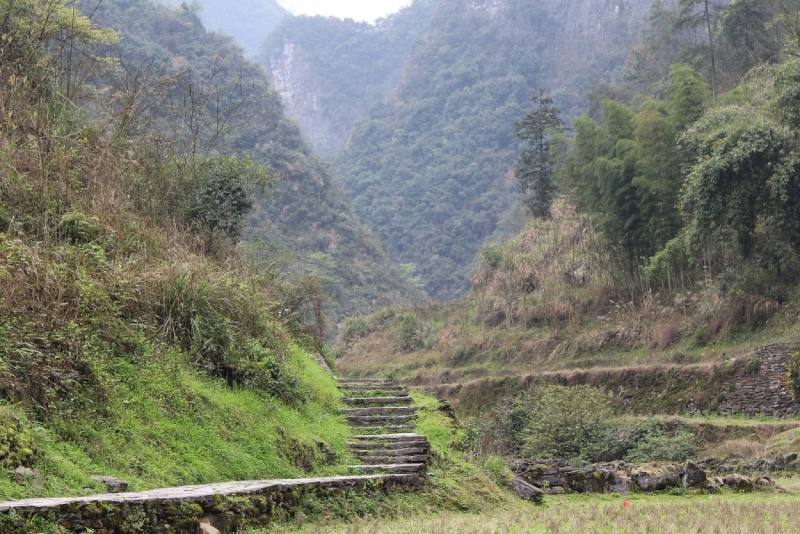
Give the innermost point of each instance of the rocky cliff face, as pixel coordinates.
(294, 78)
(331, 71)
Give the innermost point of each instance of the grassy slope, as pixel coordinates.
(167, 424)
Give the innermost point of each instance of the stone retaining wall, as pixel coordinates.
(759, 386)
(181, 510)
(752, 385)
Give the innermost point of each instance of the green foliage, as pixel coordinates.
(577, 423)
(742, 178)
(353, 329)
(77, 228)
(17, 440)
(657, 446)
(409, 332)
(125, 348)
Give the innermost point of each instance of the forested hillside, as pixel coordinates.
(428, 169)
(330, 71)
(304, 225)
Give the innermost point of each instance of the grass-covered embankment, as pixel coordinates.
(166, 424)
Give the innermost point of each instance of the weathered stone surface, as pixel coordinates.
(752, 466)
(23, 475)
(706, 487)
(752, 385)
(526, 491)
(206, 528)
(657, 477)
(558, 477)
(693, 474)
(765, 483)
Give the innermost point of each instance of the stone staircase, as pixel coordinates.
(382, 416)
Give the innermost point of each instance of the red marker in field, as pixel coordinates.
(625, 504)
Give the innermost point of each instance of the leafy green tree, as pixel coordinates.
(223, 195)
(746, 175)
(535, 164)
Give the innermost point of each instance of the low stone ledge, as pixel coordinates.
(558, 476)
(180, 509)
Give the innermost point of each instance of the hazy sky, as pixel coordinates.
(368, 10)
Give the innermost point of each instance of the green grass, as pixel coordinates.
(166, 423)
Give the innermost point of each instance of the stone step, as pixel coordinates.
(382, 429)
(365, 381)
(375, 420)
(387, 445)
(397, 468)
(416, 458)
(400, 436)
(382, 410)
(382, 401)
(372, 394)
(381, 453)
(371, 387)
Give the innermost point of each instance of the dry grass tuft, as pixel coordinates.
(666, 335)
(737, 448)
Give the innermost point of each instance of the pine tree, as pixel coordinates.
(534, 167)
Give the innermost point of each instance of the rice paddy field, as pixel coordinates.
(601, 514)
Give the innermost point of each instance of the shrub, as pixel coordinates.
(223, 195)
(354, 329)
(410, 336)
(77, 228)
(566, 422)
(621, 437)
(658, 446)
